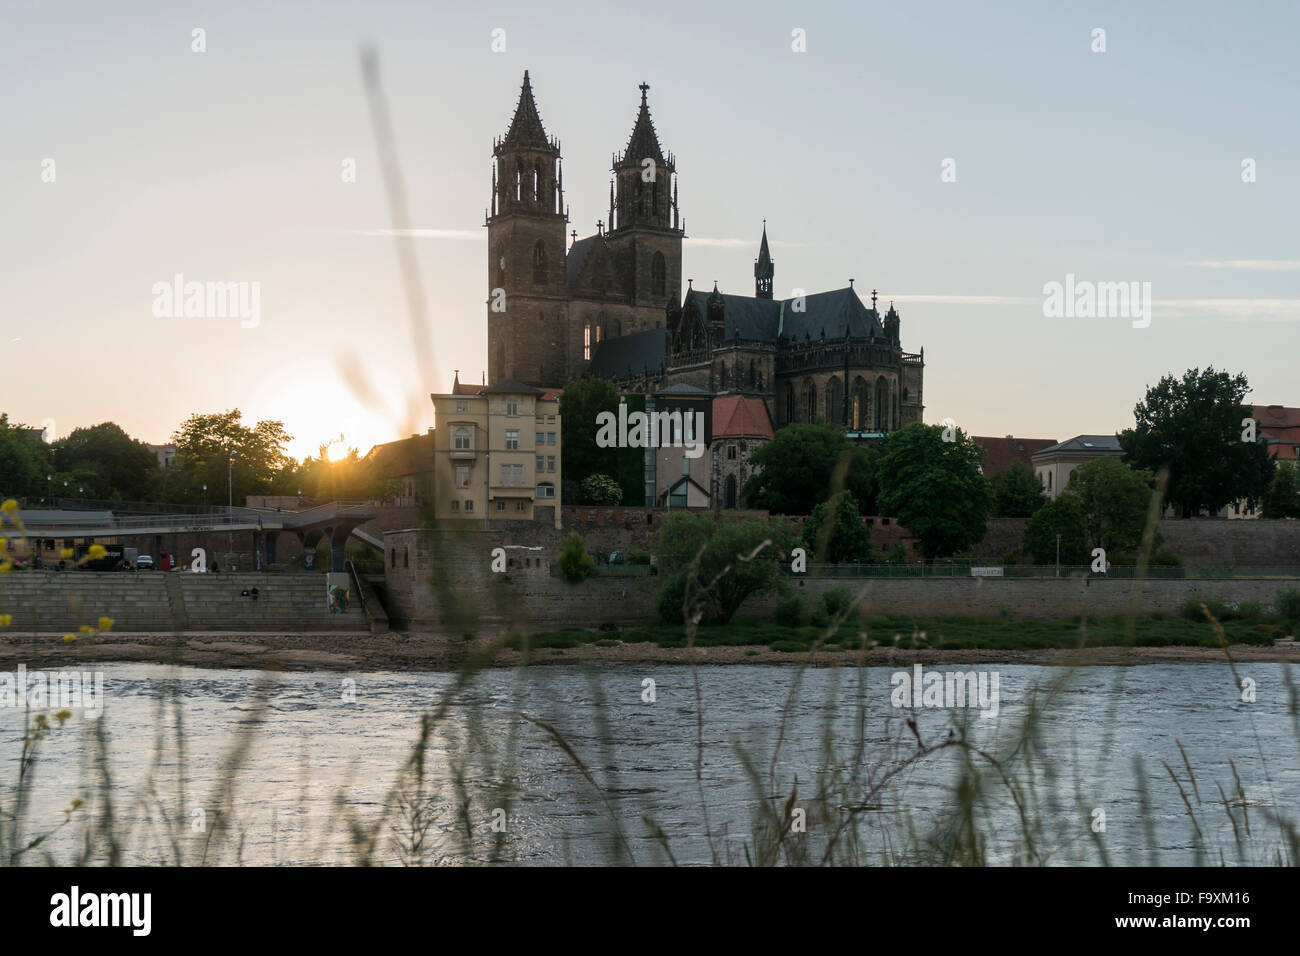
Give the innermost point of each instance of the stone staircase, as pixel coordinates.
(164, 601)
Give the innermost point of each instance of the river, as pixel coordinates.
(327, 750)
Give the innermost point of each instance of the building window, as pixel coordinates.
(462, 405)
(455, 505)
(677, 497)
(540, 439)
(586, 342)
(546, 490)
(658, 275)
(512, 476)
(521, 505)
(731, 452)
(686, 465)
(512, 439)
(501, 504)
(550, 463)
(461, 439)
(512, 405)
(541, 463)
(550, 438)
(406, 557)
(392, 558)
(469, 505)
(462, 476)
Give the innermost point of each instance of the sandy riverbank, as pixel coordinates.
(407, 651)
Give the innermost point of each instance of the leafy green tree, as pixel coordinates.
(1114, 500)
(601, 490)
(1017, 492)
(321, 479)
(1193, 426)
(935, 488)
(211, 447)
(581, 403)
(714, 565)
(24, 461)
(123, 468)
(835, 532)
(1062, 516)
(803, 464)
(575, 563)
(1282, 500)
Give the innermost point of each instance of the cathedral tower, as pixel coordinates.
(645, 226)
(527, 309)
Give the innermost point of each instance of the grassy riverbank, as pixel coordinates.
(933, 634)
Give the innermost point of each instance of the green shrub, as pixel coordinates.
(1248, 610)
(1288, 602)
(820, 617)
(789, 647)
(790, 611)
(638, 557)
(672, 595)
(838, 602)
(1191, 609)
(575, 563)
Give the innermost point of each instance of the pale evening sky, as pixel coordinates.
(225, 166)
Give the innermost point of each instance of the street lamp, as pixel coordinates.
(1058, 555)
(230, 505)
(205, 495)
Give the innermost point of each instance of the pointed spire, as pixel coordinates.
(644, 142)
(764, 255)
(764, 269)
(526, 128)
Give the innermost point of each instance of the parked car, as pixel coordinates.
(144, 563)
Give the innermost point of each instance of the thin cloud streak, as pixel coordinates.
(460, 234)
(740, 243)
(1251, 265)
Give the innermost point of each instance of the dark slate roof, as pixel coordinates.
(1097, 443)
(526, 127)
(1001, 453)
(629, 354)
(577, 258)
(510, 387)
(406, 456)
(643, 142)
(683, 388)
(767, 318)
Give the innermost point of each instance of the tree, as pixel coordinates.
(211, 447)
(797, 470)
(1114, 500)
(123, 468)
(24, 461)
(1194, 427)
(580, 403)
(935, 488)
(1061, 516)
(575, 563)
(1282, 500)
(601, 490)
(1017, 492)
(835, 532)
(714, 565)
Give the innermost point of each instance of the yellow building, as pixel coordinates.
(497, 452)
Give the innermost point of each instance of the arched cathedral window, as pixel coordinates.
(539, 263)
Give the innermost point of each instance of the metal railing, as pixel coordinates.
(1118, 572)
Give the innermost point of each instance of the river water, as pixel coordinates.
(323, 759)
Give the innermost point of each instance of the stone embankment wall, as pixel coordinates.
(160, 601)
(472, 597)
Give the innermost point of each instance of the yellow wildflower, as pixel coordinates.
(69, 638)
(66, 552)
(97, 551)
(105, 623)
(6, 620)
(62, 716)
(5, 567)
(86, 629)
(9, 507)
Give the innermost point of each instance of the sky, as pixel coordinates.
(227, 166)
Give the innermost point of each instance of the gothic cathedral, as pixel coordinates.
(611, 304)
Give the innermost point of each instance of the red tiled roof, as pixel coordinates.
(1280, 427)
(735, 416)
(1001, 453)
(460, 388)
(550, 394)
